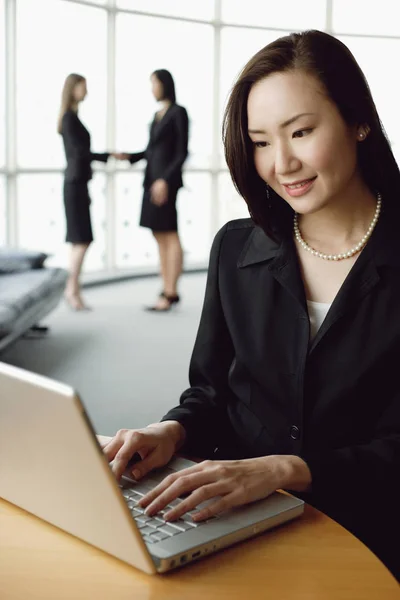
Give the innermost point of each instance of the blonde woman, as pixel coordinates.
(78, 172)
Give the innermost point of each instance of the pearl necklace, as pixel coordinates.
(350, 252)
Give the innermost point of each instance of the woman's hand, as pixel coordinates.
(120, 155)
(159, 192)
(230, 483)
(155, 445)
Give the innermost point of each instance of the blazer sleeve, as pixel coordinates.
(181, 123)
(359, 486)
(363, 469)
(136, 156)
(202, 407)
(101, 157)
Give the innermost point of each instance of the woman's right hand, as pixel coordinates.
(120, 155)
(156, 444)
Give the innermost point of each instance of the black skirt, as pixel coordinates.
(159, 218)
(77, 213)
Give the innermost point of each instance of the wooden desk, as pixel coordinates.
(311, 558)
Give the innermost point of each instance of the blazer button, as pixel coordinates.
(294, 432)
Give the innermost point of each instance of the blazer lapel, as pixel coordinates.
(280, 260)
(158, 126)
(381, 251)
(283, 264)
(274, 310)
(362, 278)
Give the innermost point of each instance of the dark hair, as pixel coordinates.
(332, 63)
(168, 84)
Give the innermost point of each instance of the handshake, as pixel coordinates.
(120, 155)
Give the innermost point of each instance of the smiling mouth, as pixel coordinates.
(298, 184)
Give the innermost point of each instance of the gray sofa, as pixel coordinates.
(28, 292)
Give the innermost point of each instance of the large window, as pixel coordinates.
(2, 211)
(289, 14)
(366, 18)
(145, 44)
(68, 38)
(40, 213)
(2, 83)
(116, 45)
(41, 222)
(203, 10)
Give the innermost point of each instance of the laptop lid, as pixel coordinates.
(52, 466)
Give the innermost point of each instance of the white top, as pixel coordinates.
(317, 312)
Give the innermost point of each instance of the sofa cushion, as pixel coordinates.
(7, 318)
(20, 291)
(15, 259)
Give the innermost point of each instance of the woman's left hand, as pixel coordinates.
(159, 192)
(231, 483)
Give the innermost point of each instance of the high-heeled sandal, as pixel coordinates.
(170, 299)
(173, 299)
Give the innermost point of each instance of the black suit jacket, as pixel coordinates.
(76, 140)
(167, 148)
(259, 387)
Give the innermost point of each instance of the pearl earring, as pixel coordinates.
(361, 135)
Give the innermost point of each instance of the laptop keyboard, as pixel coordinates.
(155, 529)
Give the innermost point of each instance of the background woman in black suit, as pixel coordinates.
(76, 140)
(165, 154)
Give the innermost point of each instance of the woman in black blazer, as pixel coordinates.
(294, 375)
(165, 154)
(78, 172)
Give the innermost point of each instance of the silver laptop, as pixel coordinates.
(51, 465)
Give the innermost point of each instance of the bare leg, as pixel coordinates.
(163, 253)
(72, 289)
(174, 262)
(171, 258)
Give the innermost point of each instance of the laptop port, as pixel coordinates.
(196, 554)
(184, 558)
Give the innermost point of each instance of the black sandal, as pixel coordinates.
(170, 299)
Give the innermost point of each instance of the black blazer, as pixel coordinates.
(76, 140)
(167, 148)
(259, 387)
